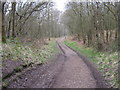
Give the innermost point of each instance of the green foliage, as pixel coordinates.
(15, 51)
(93, 23)
(87, 51)
(106, 62)
(18, 69)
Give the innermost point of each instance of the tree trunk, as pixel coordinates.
(110, 38)
(84, 41)
(107, 36)
(89, 36)
(116, 34)
(103, 36)
(78, 37)
(13, 19)
(8, 33)
(118, 30)
(0, 21)
(3, 24)
(97, 27)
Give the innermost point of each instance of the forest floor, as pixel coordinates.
(66, 70)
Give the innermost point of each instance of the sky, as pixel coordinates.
(60, 4)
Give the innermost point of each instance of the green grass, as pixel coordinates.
(13, 50)
(106, 62)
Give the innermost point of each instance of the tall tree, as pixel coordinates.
(0, 19)
(13, 18)
(118, 30)
(3, 24)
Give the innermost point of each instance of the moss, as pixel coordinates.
(18, 69)
(5, 84)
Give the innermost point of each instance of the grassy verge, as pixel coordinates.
(13, 50)
(106, 62)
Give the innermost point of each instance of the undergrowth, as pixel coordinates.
(13, 50)
(106, 62)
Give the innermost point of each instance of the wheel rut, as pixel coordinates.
(66, 70)
(75, 73)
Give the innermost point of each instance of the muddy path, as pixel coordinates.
(66, 70)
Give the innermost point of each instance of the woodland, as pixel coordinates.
(30, 31)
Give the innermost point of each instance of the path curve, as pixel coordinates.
(75, 74)
(67, 70)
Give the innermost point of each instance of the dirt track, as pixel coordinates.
(67, 70)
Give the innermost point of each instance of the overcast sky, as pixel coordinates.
(60, 4)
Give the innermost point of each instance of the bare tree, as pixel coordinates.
(13, 18)
(3, 24)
